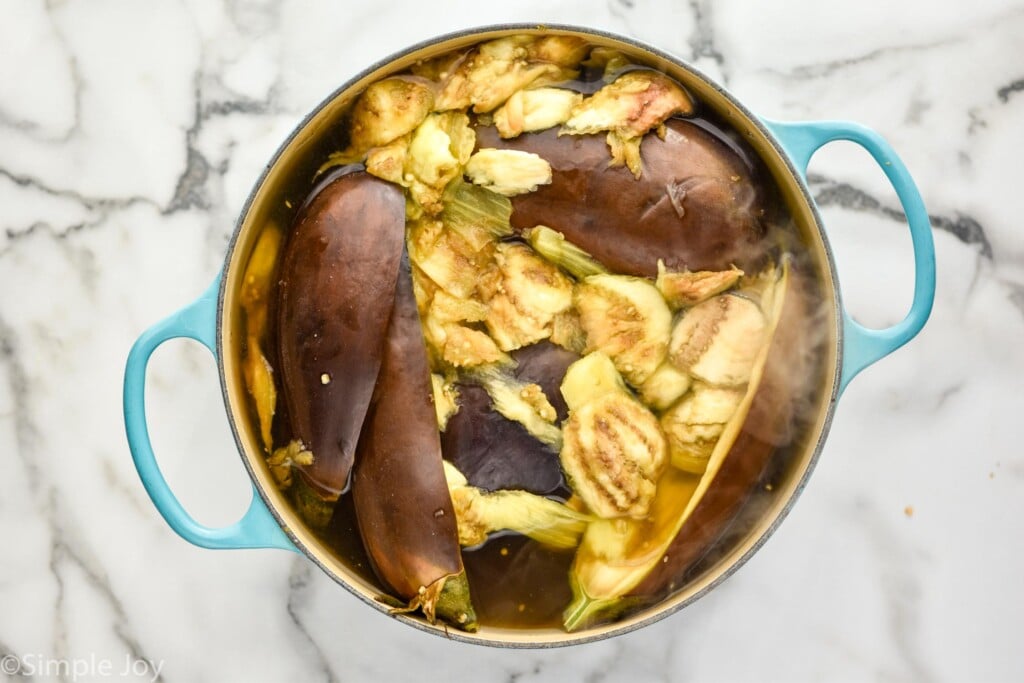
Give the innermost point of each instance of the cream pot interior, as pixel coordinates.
(287, 179)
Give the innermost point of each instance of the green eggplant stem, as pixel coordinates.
(585, 611)
(446, 598)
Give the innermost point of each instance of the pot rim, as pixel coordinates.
(670, 605)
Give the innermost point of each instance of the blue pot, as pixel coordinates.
(785, 149)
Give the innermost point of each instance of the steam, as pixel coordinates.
(794, 382)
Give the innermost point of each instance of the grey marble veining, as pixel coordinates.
(130, 136)
(828, 192)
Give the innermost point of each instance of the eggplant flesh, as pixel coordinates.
(696, 205)
(772, 422)
(336, 292)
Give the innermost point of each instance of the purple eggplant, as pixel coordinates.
(494, 452)
(337, 289)
(404, 512)
(695, 205)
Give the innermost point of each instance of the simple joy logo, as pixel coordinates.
(80, 668)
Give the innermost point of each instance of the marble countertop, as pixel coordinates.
(130, 135)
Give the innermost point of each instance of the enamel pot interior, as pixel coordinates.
(285, 183)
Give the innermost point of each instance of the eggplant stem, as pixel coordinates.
(585, 610)
(447, 598)
(311, 505)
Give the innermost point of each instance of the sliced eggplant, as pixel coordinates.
(789, 370)
(623, 563)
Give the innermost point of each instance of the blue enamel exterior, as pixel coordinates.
(257, 528)
(863, 346)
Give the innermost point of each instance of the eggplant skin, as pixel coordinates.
(695, 206)
(337, 286)
(791, 374)
(403, 508)
(496, 453)
(545, 364)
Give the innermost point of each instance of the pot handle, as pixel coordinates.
(257, 528)
(862, 346)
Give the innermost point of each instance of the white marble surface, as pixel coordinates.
(130, 134)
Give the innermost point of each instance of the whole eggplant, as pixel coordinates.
(696, 205)
(337, 287)
(399, 489)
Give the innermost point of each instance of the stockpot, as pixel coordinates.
(214, 319)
